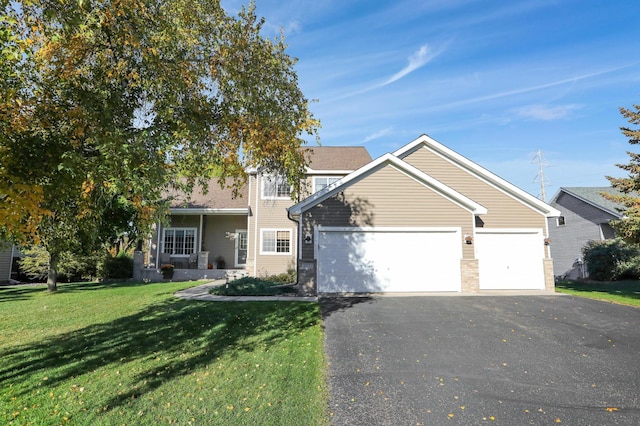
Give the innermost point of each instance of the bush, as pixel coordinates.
(611, 260)
(71, 267)
(119, 267)
(289, 277)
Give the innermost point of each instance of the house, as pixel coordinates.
(585, 216)
(248, 234)
(423, 219)
(6, 261)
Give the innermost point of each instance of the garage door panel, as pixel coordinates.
(510, 260)
(372, 261)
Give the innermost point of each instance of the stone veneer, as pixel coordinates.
(470, 276)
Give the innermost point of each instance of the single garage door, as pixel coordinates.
(388, 260)
(510, 259)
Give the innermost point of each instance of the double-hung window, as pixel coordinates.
(274, 187)
(179, 241)
(275, 241)
(320, 182)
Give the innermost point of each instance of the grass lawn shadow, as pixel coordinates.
(163, 341)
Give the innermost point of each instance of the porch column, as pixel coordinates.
(200, 235)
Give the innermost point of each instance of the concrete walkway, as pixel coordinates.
(201, 292)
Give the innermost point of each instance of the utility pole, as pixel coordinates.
(539, 159)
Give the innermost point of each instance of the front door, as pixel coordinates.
(241, 247)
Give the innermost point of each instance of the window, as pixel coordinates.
(179, 241)
(275, 187)
(560, 221)
(276, 241)
(322, 182)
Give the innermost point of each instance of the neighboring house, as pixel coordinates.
(251, 232)
(585, 216)
(6, 261)
(423, 219)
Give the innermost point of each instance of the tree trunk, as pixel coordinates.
(52, 277)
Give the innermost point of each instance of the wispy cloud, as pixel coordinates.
(377, 134)
(419, 59)
(547, 113)
(534, 88)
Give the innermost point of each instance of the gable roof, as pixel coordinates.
(592, 195)
(388, 159)
(336, 158)
(478, 171)
(216, 200)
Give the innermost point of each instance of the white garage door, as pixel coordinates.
(388, 260)
(510, 259)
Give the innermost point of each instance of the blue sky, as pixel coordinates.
(494, 80)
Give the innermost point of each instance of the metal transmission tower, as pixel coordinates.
(539, 159)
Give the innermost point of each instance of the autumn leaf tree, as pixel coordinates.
(106, 104)
(628, 228)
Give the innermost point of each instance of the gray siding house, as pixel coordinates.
(585, 217)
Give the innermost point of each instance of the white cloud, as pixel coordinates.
(377, 134)
(547, 113)
(419, 59)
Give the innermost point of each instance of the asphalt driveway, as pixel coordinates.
(470, 360)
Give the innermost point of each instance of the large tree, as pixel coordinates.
(629, 227)
(106, 104)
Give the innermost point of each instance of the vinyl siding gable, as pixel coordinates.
(504, 211)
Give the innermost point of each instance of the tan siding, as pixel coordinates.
(216, 241)
(503, 210)
(268, 214)
(388, 198)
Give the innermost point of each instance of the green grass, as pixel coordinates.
(621, 292)
(114, 354)
(250, 286)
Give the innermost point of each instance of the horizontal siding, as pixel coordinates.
(503, 210)
(268, 214)
(5, 262)
(387, 197)
(215, 240)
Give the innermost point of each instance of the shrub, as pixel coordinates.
(611, 260)
(119, 267)
(71, 267)
(289, 277)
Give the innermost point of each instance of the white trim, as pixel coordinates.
(510, 231)
(180, 228)
(200, 235)
(313, 172)
(208, 211)
(313, 181)
(321, 228)
(388, 159)
(237, 241)
(479, 171)
(256, 235)
(265, 178)
(276, 253)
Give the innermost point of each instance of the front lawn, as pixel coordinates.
(133, 354)
(622, 292)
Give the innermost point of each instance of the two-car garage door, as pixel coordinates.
(388, 260)
(355, 260)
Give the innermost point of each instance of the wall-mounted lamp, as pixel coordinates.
(547, 241)
(308, 239)
(468, 239)
(230, 235)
